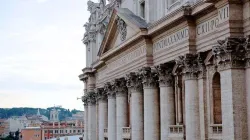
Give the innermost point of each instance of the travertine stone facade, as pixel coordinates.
(167, 70)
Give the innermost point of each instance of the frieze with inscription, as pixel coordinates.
(211, 25)
(170, 40)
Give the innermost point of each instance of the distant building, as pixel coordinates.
(60, 129)
(54, 115)
(32, 133)
(2, 127)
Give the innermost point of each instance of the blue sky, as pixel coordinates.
(41, 53)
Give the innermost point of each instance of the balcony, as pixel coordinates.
(105, 132)
(176, 131)
(215, 132)
(126, 133)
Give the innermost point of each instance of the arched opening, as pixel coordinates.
(217, 113)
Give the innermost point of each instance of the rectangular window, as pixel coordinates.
(142, 8)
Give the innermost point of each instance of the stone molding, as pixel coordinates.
(120, 87)
(164, 72)
(134, 82)
(229, 53)
(149, 78)
(101, 95)
(109, 89)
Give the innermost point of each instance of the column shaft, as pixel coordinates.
(103, 118)
(233, 103)
(111, 118)
(192, 109)
(85, 122)
(92, 121)
(248, 96)
(137, 115)
(151, 113)
(121, 114)
(167, 110)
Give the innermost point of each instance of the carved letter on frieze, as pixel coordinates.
(229, 53)
(122, 28)
(134, 82)
(149, 78)
(164, 72)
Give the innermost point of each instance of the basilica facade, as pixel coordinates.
(167, 70)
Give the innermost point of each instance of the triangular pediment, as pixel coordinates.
(122, 26)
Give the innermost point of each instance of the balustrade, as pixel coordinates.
(126, 133)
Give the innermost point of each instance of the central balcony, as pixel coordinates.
(126, 133)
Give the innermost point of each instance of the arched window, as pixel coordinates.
(217, 114)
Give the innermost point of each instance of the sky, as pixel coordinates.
(41, 53)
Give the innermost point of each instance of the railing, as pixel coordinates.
(105, 132)
(126, 133)
(216, 128)
(176, 131)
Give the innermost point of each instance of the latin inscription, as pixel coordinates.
(127, 58)
(171, 40)
(212, 24)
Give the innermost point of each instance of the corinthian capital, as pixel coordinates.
(149, 78)
(134, 82)
(120, 87)
(85, 100)
(109, 89)
(164, 72)
(92, 97)
(101, 95)
(247, 48)
(191, 69)
(229, 53)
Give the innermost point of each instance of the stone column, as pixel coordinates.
(229, 58)
(151, 104)
(92, 116)
(85, 100)
(167, 111)
(135, 87)
(247, 48)
(121, 106)
(111, 111)
(102, 112)
(191, 98)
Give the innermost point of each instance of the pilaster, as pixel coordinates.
(121, 106)
(134, 84)
(109, 89)
(151, 104)
(230, 60)
(102, 112)
(192, 117)
(167, 100)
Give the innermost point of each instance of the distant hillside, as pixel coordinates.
(8, 112)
